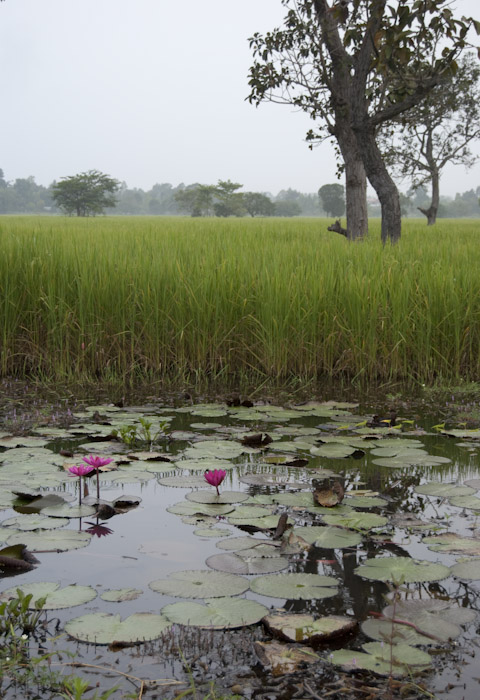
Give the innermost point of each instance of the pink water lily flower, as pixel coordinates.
(80, 470)
(96, 462)
(215, 477)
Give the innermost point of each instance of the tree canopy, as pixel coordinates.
(85, 194)
(438, 131)
(353, 66)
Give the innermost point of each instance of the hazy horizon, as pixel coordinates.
(155, 92)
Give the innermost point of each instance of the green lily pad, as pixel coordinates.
(212, 498)
(103, 628)
(236, 563)
(469, 502)
(188, 508)
(352, 660)
(356, 521)
(402, 570)
(365, 501)
(328, 537)
(295, 586)
(301, 628)
(212, 532)
(444, 490)
(451, 542)
(184, 482)
(51, 540)
(202, 464)
(121, 595)
(235, 544)
(68, 511)
(34, 522)
(56, 598)
(469, 569)
(200, 584)
(333, 451)
(221, 613)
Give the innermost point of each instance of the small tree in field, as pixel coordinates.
(333, 199)
(85, 194)
(438, 131)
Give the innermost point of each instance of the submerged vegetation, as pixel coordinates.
(179, 298)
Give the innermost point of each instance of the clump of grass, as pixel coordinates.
(173, 298)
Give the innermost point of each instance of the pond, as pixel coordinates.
(362, 527)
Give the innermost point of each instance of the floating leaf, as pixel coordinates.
(184, 482)
(469, 570)
(451, 542)
(212, 498)
(34, 522)
(51, 540)
(308, 630)
(328, 537)
(469, 502)
(187, 508)
(444, 490)
(67, 511)
(56, 598)
(221, 613)
(212, 532)
(402, 570)
(378, 661)
(356, 521)
(103, 628)
(239, 564)
(200, 584)
(121, 595)
(237, 543)
(295, 586)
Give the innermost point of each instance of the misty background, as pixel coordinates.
(155, 92)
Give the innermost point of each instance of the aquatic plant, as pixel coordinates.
(96, 462)
(215, 477)
(80, 470)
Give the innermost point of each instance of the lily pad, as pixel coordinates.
(469, 502)
(444, 490)
(402, 570)
(221, 613)
(184, 482)
(377, 658)
(56, 598)
(121, 595)
(239, 564)
(295, 586)
(200, 584)
(469, 569)
(212, 498)
(103, 628)
(356, 521)
(451, 542)
(67, 511)
(328, 537)
(308, 630)
(34, 522)
(51, 540)
(188, 508)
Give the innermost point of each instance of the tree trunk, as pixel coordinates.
(355, 182)
(381, 182)
(432, 211)
(356, 195)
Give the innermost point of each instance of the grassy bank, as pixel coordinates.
(126, 297)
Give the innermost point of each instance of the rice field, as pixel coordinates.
(177, 298)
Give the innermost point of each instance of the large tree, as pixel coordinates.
(437, 132)
(353, 66)
(85, 194)
(333, 199)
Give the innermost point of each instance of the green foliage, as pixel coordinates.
(85, 194)
(15, 614)
(135, 436)
(333, 199)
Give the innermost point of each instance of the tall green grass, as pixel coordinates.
(176, 298)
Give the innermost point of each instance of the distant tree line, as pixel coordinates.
(24, 196)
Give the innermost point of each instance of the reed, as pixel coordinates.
(176, 298)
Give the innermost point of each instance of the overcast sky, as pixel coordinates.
(153, 91)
